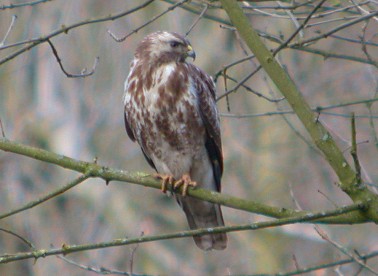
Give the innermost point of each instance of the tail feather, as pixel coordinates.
(201, 214)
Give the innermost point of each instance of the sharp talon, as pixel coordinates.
(166, 179)
(185, 181)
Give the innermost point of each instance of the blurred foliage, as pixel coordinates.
(265, 158)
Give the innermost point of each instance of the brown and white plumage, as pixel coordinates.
(170, 111)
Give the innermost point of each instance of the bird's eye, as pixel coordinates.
(174, 44)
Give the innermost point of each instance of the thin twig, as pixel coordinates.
(328, 55)
(197, 20)
(295, 261)
(362, 10)
(284, 45)
(228, 66)
(192, 9)
(19, 237)
(353, 151)
(318, 109)
(32, 3)
(328, 265)
(2, 129)
(46, 197)
(14, 18)
(65, 29)
(292, 6)
(371, 121)
(345, 251)
(293, 18)
(239, 84)
(334, 30)
(226, 88)
(83, 73)
(171, 8)
(101, 270)
(364, 47)
(328, 198)
(358, 41)
(251, 90)
(133, 251)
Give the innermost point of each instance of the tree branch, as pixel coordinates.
(66, 249)
(34, 42)
(47, 197)
(90, 169)
(319, 134)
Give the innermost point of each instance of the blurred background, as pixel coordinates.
(268, 158)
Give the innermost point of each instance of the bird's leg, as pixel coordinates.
(165, 180)
(185, 181)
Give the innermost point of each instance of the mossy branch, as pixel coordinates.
(319, 134)
(90, 169)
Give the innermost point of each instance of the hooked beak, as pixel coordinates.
(191, 53)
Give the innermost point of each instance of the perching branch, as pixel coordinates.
(90, 169)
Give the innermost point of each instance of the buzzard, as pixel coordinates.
(170, 111)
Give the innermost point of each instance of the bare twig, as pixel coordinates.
(295, 201)
(328, 198)
(358, 41)
(83, 73)
(329, 265)
(192, 9)
(171, 8)
(345, 251)
(364, 46)
(328, 55)
(197, 20)
(226, 88)
(36, 41)
(2, 129)
(228, 66)
(31, 3)
(101, 270)
(240, 83)
(274, 113)
(362, 10)
(292, 6)
(284, 45)
(318, 109)
(133, 251)
(371, 121)
(353, 152)
(334, 30)
(46, 197)
(295, 260)
(19, 237)
(14, 18)
(227, 77)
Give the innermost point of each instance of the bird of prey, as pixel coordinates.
(170, 110)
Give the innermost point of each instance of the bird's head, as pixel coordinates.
(165, 47)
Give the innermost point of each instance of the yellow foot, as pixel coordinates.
(185, 181)
(165, 180)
